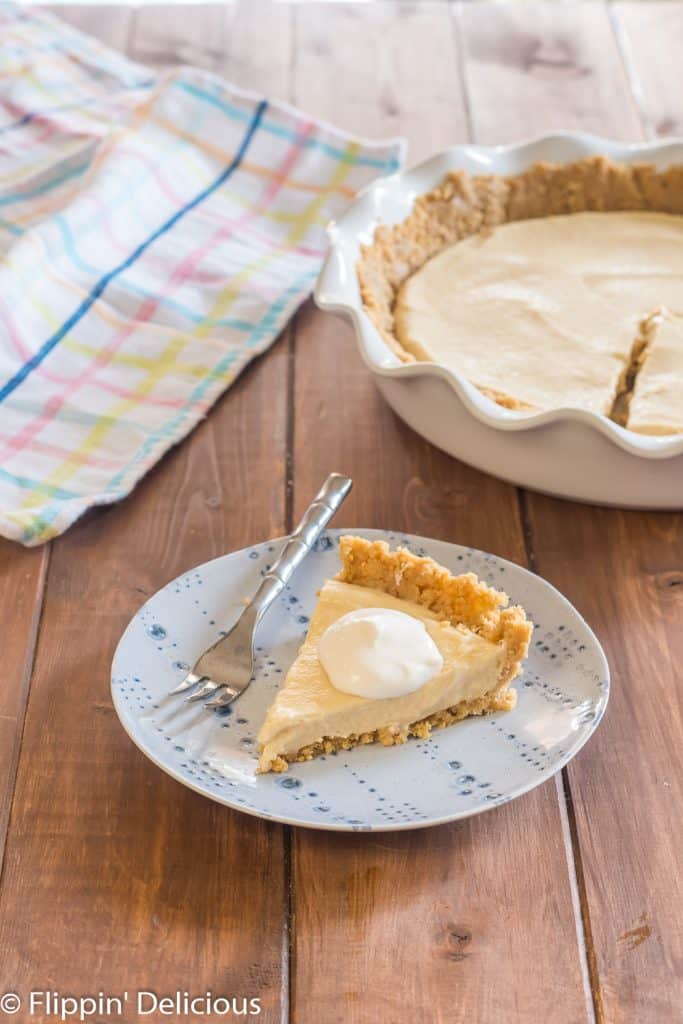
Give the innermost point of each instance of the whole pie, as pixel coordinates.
(479, 643)
(561, 286)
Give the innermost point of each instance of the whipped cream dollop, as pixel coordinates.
(378, 653)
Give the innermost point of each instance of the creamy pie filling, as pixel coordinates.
(550, 312)
(309, 708)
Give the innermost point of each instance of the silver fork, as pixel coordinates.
(225, 670)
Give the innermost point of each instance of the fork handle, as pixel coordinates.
(298, 545)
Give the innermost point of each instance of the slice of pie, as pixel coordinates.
(656, 405)
(480, 640)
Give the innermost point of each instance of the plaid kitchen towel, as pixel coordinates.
(155, 235)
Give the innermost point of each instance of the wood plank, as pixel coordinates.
(621, 569)
(626, 785)
(252, 58)
(352, 67)
(424, 926)
(112, 870)
(651, 39)
(109, 23)
(542, 68)
(22, 581)
(167, 35)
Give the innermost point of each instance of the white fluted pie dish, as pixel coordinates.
(568, 452)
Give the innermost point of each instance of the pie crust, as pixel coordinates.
(464, 205)
(460, 599)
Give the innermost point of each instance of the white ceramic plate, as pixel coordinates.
(568, 452)
(468, 768)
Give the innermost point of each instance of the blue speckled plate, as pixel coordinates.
(472, 766)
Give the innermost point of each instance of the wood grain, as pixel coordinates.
(166, 35)
(110, 23)
(353, 64)
(539, 68)
(256, 59)
(626, 787)
(467, 921)
(621, 569)
(22, 581)
(651, 38)
(115, 876)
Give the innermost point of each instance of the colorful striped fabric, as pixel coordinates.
(155, 235)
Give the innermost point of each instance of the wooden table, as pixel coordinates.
(564, 906)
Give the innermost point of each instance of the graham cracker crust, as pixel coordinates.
(458, 599)
(503, 699)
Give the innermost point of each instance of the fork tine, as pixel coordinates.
(203, 691)
(222, 699)
(188, 682)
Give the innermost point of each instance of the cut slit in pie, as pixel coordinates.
(482, 641)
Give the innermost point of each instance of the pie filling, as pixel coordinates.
(559, 287)
(480, 644)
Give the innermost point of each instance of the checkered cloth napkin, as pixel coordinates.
(156, 233)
